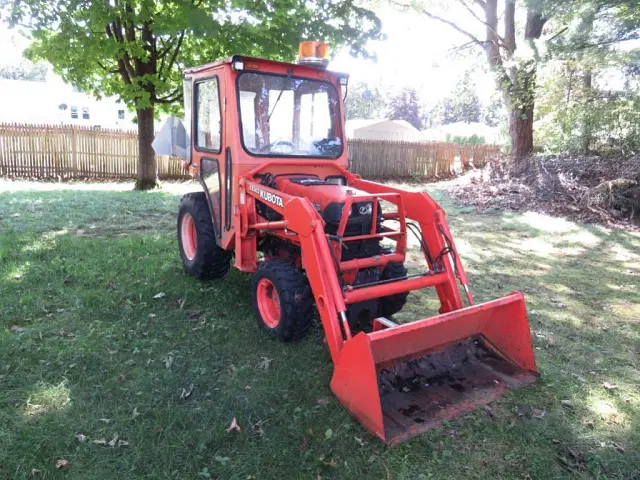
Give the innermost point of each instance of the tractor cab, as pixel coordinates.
(266, 142)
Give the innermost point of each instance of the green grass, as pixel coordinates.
(85, 348)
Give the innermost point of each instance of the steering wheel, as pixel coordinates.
(283, 143)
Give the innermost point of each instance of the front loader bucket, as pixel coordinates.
(401, 381)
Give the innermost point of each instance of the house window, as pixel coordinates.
(85, 113)
(74, 112)
(120, 114)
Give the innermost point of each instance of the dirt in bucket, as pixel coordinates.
(417, 395)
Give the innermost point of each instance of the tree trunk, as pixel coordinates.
(521, 131)
(147, 166)
(587, 80)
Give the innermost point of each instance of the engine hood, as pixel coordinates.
(319, 192)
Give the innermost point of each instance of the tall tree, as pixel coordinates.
(24, 70)
(405, 105)
(463, 104)
(512, 60)
(137, 49)
(363, 101)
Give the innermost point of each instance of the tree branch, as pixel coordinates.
(475, 15)
(173, 56)
(510, 26)
(170, 98)
(473, 38)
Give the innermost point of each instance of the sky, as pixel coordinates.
(418, 52)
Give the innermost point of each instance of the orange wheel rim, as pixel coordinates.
(268, 303)
(188, 236)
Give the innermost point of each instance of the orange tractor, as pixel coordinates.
(266, 142)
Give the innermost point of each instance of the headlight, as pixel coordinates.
(362, 209)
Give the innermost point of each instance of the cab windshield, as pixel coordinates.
(288, 116)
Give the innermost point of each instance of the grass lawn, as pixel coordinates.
(103, 335)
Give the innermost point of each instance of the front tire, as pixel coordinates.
(282, 300)
(200, 254)
(392, 304)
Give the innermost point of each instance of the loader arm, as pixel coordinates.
(490, 342)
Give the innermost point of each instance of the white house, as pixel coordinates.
(54, 102)
(382, 130)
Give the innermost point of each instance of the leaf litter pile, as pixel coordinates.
(591, 189)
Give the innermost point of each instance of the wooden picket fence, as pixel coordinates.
(70, 151)
(393, 159)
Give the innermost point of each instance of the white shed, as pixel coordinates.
(398, 130)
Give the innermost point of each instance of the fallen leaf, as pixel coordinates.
(63, 332)
(135, 413)
(121, 378)
(159, 295)
(168, 361)
(222, 460)
(62, 463)
(17, 328)
(35, 471)
(555, 441)
(264, 363)
(100, 441)
(537, 413)
(567, 403)
(328, 434)
(257, 429)
(81, 437)
(323, 401)
(330, 463)
(181, 303)
(193, 317)
(551, 341)
(618, 447)
(186, 392)
(487, 409)
(123, 443)
(114, 440)
(68, 279)
(247, 387)
(105, 420)
(359, 441)
(152, 315)
(234, 426)
(609, 386)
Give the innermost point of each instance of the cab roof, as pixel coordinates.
(298, 66)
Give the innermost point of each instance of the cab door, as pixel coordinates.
(209, 144)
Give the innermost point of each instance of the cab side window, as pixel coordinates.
(208, 119)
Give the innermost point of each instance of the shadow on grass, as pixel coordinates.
(88, 349)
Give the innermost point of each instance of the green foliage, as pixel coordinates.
(468, 140)
(405, 105)
(463, 104)
(137, 49)
(589, 95)
(24, 70)
(364, 101)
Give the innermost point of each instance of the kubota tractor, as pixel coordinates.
(266, 142)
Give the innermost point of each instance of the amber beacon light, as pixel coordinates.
(314, 53)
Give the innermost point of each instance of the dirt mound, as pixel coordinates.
(588, 188)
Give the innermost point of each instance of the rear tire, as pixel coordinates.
(282, 300)
(392, 304)
(200, 254)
